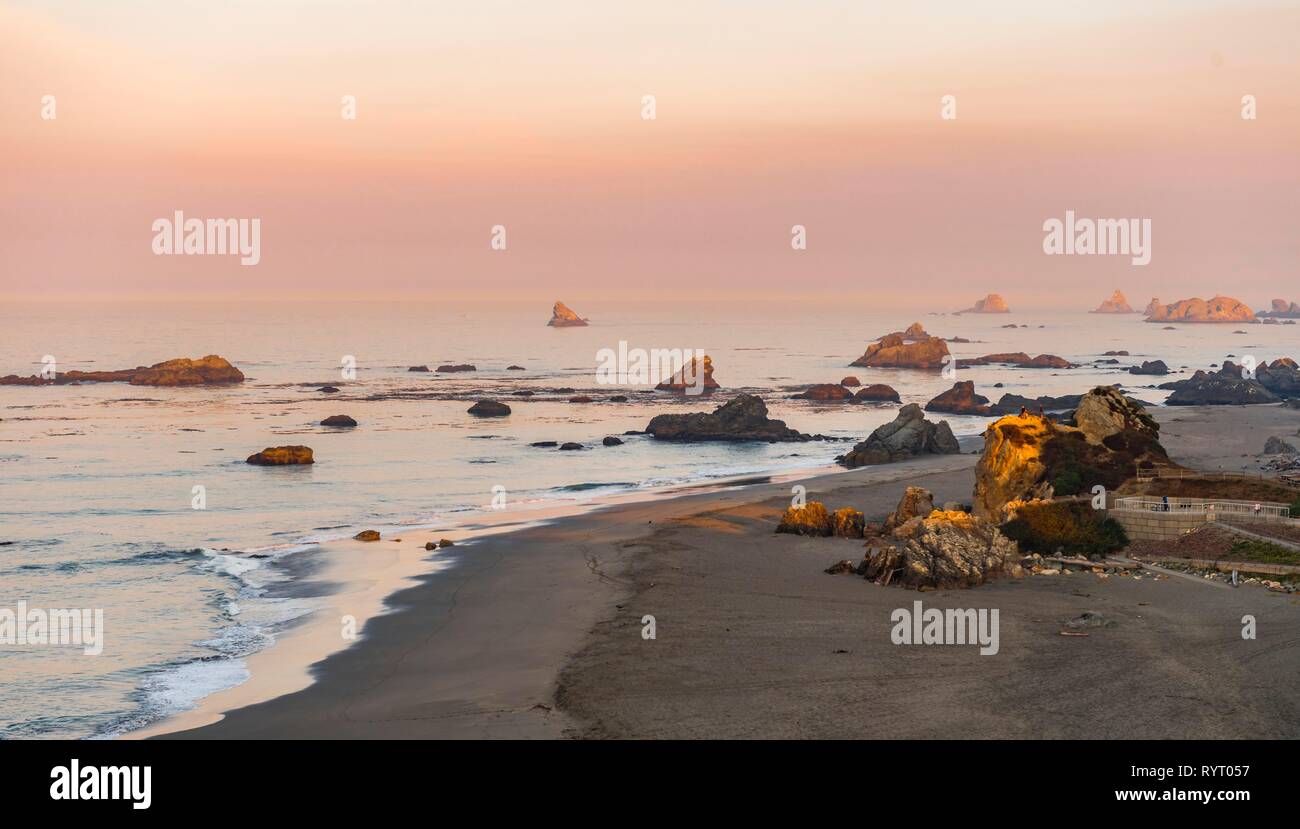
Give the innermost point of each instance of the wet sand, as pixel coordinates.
(538, 633)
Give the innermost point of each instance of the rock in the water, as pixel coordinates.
(1218, 309)
(367, 535)
(876, 393)
(1010, 357)
(454, 368)
(1117, 304)
(810, 519)
(205, 371)
(282, 456)
(1153, 306)
(894, 351)
(1220, 388)
(1150, 367)
(545, 444)
(906, 436)
(741, 419)
(340, 421)
(563, 317)
(960, 399)
(694, 377)
(842, 568)
(489, 408)
(612, 441)
(581, 398)
(824, 392)
(1278, 446)
(991, 304)
(571, 447)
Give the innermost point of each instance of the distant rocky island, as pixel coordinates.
(687, 378)
(205, 371)
(1282, 308)
(1117, 304)
(913, 348)
(1217, 309)
(562, 316)
(741, 419)
(991, 304)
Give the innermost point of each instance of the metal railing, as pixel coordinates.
(1206, 507)
(1162, 472)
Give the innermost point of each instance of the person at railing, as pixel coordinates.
(1166, 503)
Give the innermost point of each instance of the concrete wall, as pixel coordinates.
(1157, 526)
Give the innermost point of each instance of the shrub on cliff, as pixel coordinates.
(1072, 527)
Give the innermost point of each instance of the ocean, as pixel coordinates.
(97, 481)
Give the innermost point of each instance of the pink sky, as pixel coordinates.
(769, 115)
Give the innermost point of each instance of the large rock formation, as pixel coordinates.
(562, 316)
(741, 419)
(282, 456)
(1225, 387)
(906, 436)
(991, 304)
(1281, 308)
(688, 378)
(1150, 367)
(960, 399)
(942, 550)
(896, 351)
(1218, 309)
(1028, 457)
(824, 392)
(1117, 304)
(489, 408)
(205, 371)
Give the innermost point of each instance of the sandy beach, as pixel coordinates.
(537, 633)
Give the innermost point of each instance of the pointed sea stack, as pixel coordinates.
(686, 380)
(562, 316)
(991, 304)
(1117, 304)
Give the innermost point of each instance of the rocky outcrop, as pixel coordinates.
(741, 419)
(1117, 304)
(282, 456)
(181, 372)
(991, 304)
(1281, 309)
(1218, 309)
(906, 436)
(825, 392)
(1028, 457)
(1280, 377)
(895, 351)
(1225, 387)
(421, 369)
(687, 379)
(810, 519)
(917, 502)
(876, 393)
(455, 368)
(1150, 367)
(960, 399)
(489, 408)
(339, 421)
(562, 316)
(943, 550)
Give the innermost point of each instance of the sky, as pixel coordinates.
(767, 115)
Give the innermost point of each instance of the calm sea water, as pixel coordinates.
(96, 481)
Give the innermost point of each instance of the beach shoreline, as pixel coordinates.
(537, 633)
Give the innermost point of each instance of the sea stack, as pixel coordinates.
(687, 379)
(562, 316)
(1117, 304)
(991, 304)
(1217, 309)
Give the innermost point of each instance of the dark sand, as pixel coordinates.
(538, 634)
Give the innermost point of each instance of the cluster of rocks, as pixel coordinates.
(743, 418)
(907, 436)
(1217, 309)
(1275, 381)
(991, 304)
(692, 376)
(912, 348)
(205, 371)
(839, 392)
(1281, 309)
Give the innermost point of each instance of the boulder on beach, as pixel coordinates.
(455, 368)
(489, 408)
(876, 393)
(282, 456)
(991, 304)
(942, 550)
(895, 351)
(328, 390)
(1004, 357)
(562, 316)
(340, 421)
(1150, 367)
(906, 436)
(1217, 309)
(917, 502)
(367, 535)
(1117, 304)
(960, 399)
(1152, 306)
(181, 372)
(688, 380)
(743, 418)
(824, 392)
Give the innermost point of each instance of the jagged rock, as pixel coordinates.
(850, 381)
(328, 390)
(893, 351)
(618, 398)
(943, 550)
(991, 304)
(687, 378)
(876, 393)
(282, 456)
(1150, 367)
(367, 535)
(1218, 309)
(824, 392)
(917, 502)
(205, 371)
(1281, 308)
(741, 419)
(906, 436)
(1221, 388)
(563, 317)
(842, 568)
(1014, 403)
(960, 399)
(341, 421)
(1117, 304)
(810, 519)
(489, 408)
(847, 522)
(515, 368)
(1104, 412)
(451, 369)
(1280, 377)
(1278, 446)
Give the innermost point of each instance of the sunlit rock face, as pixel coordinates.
(991, 304)
(1117, 304)
(1218, 309)
(896, 351)
(687, 378)
(945, 549)
(562, 316)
